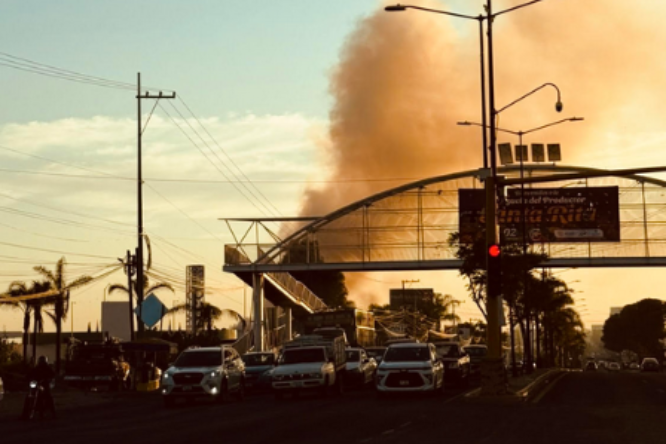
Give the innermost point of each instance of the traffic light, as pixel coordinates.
(494, 267)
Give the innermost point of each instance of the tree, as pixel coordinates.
(638, 327)
(210, 314)
(18, 290)
(58, 282)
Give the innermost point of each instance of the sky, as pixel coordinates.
(268, 91)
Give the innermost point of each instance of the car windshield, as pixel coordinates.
(259, 359)
(299, 356)
(447, 350)
(407, 354)
(353, 355)
(199, 359)
(477, 351)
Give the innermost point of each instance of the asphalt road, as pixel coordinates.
(578, 408)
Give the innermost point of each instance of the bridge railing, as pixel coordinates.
(236, 256)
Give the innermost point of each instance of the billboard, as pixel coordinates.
(194, 296)
(410, 298)
(551, 215)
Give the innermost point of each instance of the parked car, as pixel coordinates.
(613, 367)
(650, 365)
(477, 354)
(377, 353)
(634, 366)
(259, 368)
(456, 361)
(410, 367)
(2, 390)
(591, 366)
(360, 367)
(208, 372)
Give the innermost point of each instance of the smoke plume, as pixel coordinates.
(404, 79)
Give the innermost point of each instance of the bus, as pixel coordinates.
(359, 325)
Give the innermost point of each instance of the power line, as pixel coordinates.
(24, 64)
(209, 160)
(229, 157)
(25, 247)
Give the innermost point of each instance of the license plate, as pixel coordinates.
(298, 384)
(404, 382)
(187, 388)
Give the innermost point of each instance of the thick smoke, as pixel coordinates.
(405, 79)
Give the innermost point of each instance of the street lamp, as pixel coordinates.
(493, 368)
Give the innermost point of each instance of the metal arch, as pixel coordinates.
(478, 173)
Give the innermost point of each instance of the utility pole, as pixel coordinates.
(139, 250)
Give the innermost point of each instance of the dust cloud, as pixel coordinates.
(405, 78)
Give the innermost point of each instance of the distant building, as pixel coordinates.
(116, 319)
(410, 298)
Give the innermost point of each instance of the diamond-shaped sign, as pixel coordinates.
(152, 310)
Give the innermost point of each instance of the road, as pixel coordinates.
(578, 408)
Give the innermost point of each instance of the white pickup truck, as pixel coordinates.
(310, 363)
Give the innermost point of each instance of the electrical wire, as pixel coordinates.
(209, 160)
(277, 211)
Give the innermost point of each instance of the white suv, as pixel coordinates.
(212, 372)
(410, 368)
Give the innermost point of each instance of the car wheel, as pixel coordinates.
(169, 401)
(241, 390)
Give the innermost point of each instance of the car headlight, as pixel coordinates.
(314, 375)
(33, 384)
(278, 377)
(215, 374)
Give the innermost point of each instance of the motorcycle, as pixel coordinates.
(34, 401)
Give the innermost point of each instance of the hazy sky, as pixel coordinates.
(257, 77)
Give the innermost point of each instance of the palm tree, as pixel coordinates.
(210, 314)
(16, 290)
(58, 283)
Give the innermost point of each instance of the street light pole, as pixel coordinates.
(493, 368)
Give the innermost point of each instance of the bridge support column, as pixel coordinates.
(258, 315)
(287, 321)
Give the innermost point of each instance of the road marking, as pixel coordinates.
(402, 426)
(388, 432)
(365, 440)
(548, 388)
(661, 391)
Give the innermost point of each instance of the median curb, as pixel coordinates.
(528, 392)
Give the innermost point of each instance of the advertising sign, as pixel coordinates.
(551, 215)
(410, 297)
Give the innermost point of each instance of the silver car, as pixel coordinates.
(410, 368)
(360, 368)
(208, 372)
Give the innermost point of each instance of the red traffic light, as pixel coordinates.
(494, 250)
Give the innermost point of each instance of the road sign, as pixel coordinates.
(151, 311)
